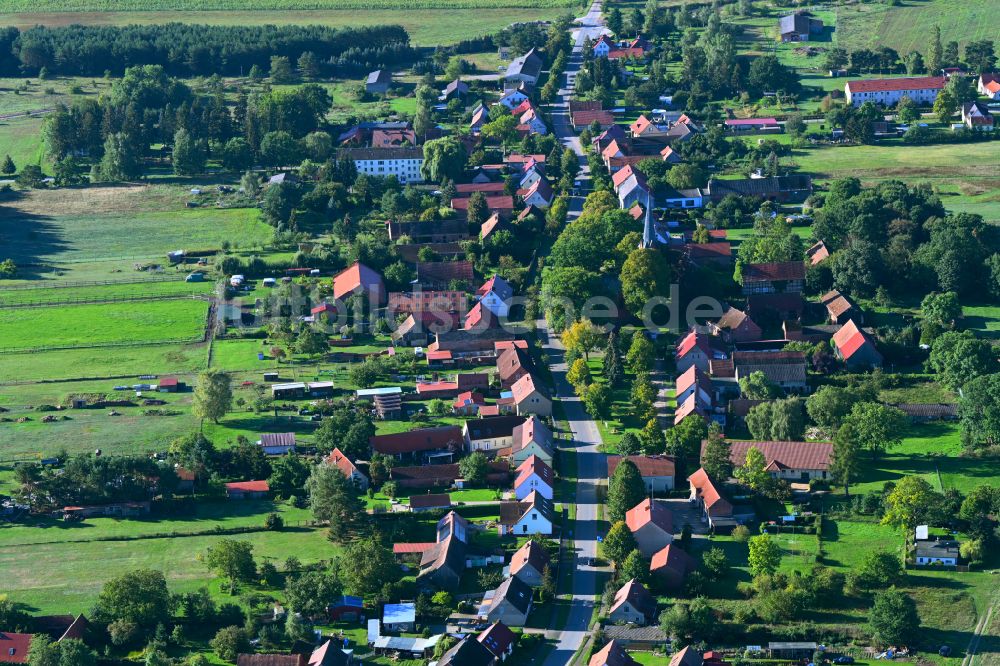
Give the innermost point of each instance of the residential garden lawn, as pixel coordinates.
(67, 577)
(622, 420)
(983, 319)
(918, 388)
(207, 516)
(21, 138)
(932, 451)
(104, 292)
(102, 362)
(104, 323)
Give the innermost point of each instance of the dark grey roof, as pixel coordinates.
(514, 591)
(937, 549)
(415, 153)
(759, 186)
(530, 64)
(278, 439)
(379, 76)
(797, 23)
(468, 652)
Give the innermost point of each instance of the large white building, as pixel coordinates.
(887, 92)
(403, 163)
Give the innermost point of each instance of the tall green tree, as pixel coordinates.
(644, 274)
(139, 596)
(189, 154)
(213, 395)
(764, 556)
(625, 490)
(846, 462)
(716, 458)
(333, 498)
(893, 618)
(444, 159)
(876, 427)
(909, 503)
(618, 542)
(232, 559)
(367, 565)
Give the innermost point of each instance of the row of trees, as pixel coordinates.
(201, 50)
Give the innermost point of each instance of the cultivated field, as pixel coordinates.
(430, 23)
(907, 26)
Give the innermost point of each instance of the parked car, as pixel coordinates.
(845, 659)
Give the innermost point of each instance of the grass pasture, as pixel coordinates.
(48, 577)
(97, 293)
(123, 361)
(21, 138)
(181, 320)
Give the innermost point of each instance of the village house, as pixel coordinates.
(657, 471)
(692, 405)
(513, 98)
(490, 434)
(799, 27)
(752, 126)
(410, 302)
(528, 563)
(277, 443)
(532, 438)
(696, 350)
(525, 69)
(423, 444)
(612, 654)
(921, 89)
(671, 565)
(532, 515)
(602, 47)
(817, 253)
(976, 116)
(716, 509)
(503, 205)
(404, 162)
(467, 652)
(468, 403)
(790, 461)
(633, 604)
(457, 89)
(786, 369)
(690, 656)
(438, 231)
(378, 82)
(510, 603)
(440, 274)
(856, 347)
(943, 553)
(652, 525)
(499, 640)
(988, 85)
(529, 398)
(442, 565)
(533, 475)
(399, 617)
(512, 364)
(782, 189)
(540, 194)
(14, 647)
(347, 468)
(358, 279)
(839, 308)
(735, 326)
(430, 502)
(774, 278)
(495, 295)
(694, 382)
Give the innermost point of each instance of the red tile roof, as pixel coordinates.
(524, 387)
(353, 277)
(612, 654)
(650, 511)
(444, 271)
(692, 376)
(14, 648)
(249, 486)
(468, 398)
(634, 593)
(648, 466)
(342, 462)
(690, 341)
(531, 554)
(849, 339)
(906, 83)
(672, 557)
(412, 548)
(787, 455)
(623, 174)
(714, 502)
(503, 202)
(692, 405)
(775, 271)
(469, 188)
(423, 439)
(533, 465)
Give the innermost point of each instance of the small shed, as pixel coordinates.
(791, 649)
(399, 617)
(348, 608)
(169, 385)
